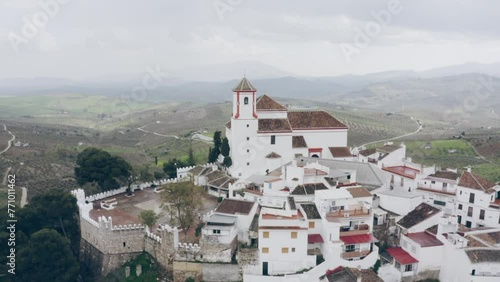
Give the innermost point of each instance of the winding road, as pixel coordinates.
(420, 127)
(158, 134)
(10, 141)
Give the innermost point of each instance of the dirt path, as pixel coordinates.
(10, 141)
(24, 195)
(420, 126)
(4, 181)
(158, 134)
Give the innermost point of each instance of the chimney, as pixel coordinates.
(469, 169)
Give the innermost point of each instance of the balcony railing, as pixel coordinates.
(355, 254)
(358, 212)
(362, 229)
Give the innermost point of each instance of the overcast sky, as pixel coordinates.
(86, 39)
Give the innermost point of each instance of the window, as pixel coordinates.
(460, 192)
(265, 234)
(402, 181)
(248, 164)
(433, 182)
(265, 250)
(215, 231)
(293, 250)
(445, 185)
(248, 125)
(471, 198)
(469, 211)
(349, 176)
(248, 138)
(311, 224)
(248, 150)
(124, 244)
(439, 203)
(459, 206)
(294, 235)
(284, 250)
(273, 139)
(481, 214)
(408, 267)
(350, 248)
(245, 101)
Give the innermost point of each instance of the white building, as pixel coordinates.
(439, 189)
(264, 135)
(244, 213)
(399, 202)
(478, 201)
(283, 241)
(389, 154)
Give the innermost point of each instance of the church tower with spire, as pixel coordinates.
(243, 127)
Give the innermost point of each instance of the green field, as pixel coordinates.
(61, 105)
(440, 154)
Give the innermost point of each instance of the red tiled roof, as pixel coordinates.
(424, 239)
(274, 125)
(273, 155)
(299, 142)
(314, 120)
(314, 238)
(401, 256)
(266, 103)
(473, 181)
(340, 152)
(358, 239)
(402, 170)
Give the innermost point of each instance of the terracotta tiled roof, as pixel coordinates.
(368, 152)
(424, 239)
(273, 155)
(403, 170)
(244, 85)
(266, 103)
(230, 206)
(478, 256)
(314, 120)
(311, 211)
(274, 125)
(299, 142)
(340, 152)
(472, 181)
(419, 214)
(445, 174)
(359, 192)
(341, 274)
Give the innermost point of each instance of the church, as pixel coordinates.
(264, 135)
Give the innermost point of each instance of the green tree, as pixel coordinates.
(225, 147)
(96, 165)
(217, 143)
(47, 257)
(228, 162)
(149, 218)
(183, 201)
(190, 160)
(159, 175)
(170, 167)
(54, 209)
(145, 175)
